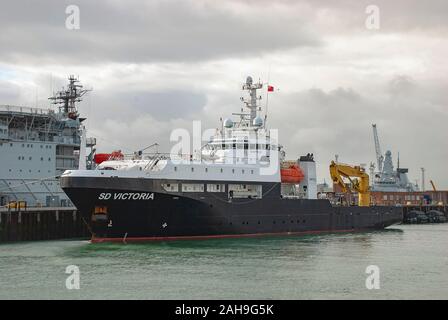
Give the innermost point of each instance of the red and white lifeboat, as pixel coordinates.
(114, 155)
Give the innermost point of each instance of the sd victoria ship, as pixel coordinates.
(238, 184)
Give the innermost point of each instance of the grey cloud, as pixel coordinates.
(135, 31)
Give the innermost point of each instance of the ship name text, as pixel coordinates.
(126, 196)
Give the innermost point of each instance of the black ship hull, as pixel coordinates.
(139, 209)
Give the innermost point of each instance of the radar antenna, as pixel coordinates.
(67, 98)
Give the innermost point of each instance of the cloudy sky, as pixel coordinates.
(158, 65)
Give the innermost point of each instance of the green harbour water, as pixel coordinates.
(412, 259)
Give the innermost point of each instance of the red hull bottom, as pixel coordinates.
(224, 236)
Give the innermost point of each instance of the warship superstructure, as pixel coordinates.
(238, 184)
(385, 177)
(37, 145)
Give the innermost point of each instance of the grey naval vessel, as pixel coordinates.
(37, 145)
(238, 184)
(385, 178)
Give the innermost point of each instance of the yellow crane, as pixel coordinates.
(360, 184)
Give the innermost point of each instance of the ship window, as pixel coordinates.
(215, 188)
(252, 171)
(246, 146)
(10, 144)
(31, 158)
(242, 171)
(19, 157)
(234, 146)
(221, 170)
(192, 169)
(175, 168)
(233, 170)
(41, 146)
(192, 187)
(206, 169)
(23, 145)
(49, 159)
(173, 187)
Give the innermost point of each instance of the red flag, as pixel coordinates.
(270, 88)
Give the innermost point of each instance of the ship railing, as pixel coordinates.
(23, 109)
(159, 156)
(182, 158)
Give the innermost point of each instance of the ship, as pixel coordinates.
(238, 184)
(386, 178)
(37, 145)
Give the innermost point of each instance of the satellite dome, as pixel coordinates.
(258, 122)
(249, 80)
(228, 123)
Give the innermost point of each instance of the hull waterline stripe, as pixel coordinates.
(248, 235)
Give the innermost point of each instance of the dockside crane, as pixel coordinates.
(379, 154)
(433, 185)
(360, 184)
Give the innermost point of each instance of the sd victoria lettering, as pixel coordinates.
(126, 196)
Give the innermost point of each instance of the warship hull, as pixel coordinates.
(129, 209)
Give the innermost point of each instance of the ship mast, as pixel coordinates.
(249, 119)
(67, 98)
